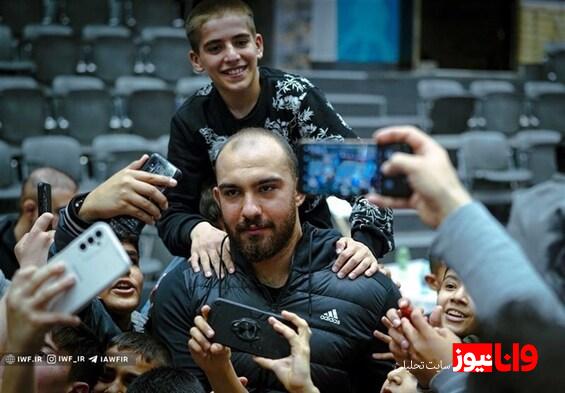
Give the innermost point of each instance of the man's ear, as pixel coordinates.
(259, 44)
(79, 387)
(195, 61)
(299, 198)
(216, 194)
(29, 208)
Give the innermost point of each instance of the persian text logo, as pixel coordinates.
(480, 358)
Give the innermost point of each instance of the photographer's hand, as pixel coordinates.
(131, 192)
(213, 358)
(436, 189)
(33, 247)
(294, 370)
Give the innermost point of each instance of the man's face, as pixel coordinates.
(117, 377)
(258, 199)
(124, 295)
(51, 377)
(228, 52)
(458, 307)
(399, 380)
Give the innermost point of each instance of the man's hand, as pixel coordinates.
(436, 189)
(210, 357)
(294, 370)
(205, 250)
(354, 259)
(213, 358)
(33, 247)
(131, 192)
(26, 303)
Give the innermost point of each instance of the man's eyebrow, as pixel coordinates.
(268, 180)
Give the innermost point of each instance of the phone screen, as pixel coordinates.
(348, 169)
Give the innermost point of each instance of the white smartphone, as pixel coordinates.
(96, 259)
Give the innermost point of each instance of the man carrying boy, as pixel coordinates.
(226, 47)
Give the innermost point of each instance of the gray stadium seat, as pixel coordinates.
(22, 109)
(486, 167)
(499, 107)
(110, 51)
(547, 100)
(10, 187)
(555, 53)
(165, 52)
(535, 150)
(446, 103)
(17, 14)
(52, 48)
(79, 13)
(57, 151)
(144, 13)
(358, 104)
(113, 152)
(149, 105)
(83, 106)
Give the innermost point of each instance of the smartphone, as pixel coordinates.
(349, 169)
(247, 329)
(43, 198)
(96, 259)
(155, 164)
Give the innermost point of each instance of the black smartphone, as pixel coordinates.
(349, 169)
(155, 164)
(247, 329)
(43, 198)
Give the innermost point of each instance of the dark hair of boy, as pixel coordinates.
(209, 9)
(151, 350)
(166, 379)
(79, 341)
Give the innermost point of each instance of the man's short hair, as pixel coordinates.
(79, 341)
(151, 350)
(57, 179)
(125, 236)
(212, 9)
(166, 379)
(250, 135)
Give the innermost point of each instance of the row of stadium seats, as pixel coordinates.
(107, 52)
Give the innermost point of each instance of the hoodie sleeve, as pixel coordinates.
(188, 152)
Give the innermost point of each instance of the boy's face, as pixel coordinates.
(229, 52)
(117, 377)
(458, 307)
(124, 295)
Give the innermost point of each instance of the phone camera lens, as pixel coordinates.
(98, 233)
(82, 246)
(91, 240)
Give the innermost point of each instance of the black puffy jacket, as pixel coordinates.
(342, 314)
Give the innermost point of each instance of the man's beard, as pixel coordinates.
(259, 248)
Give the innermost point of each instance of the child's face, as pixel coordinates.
(458, 307)
(229, 52)
(125, 293)
(399, 380)
(116, 377)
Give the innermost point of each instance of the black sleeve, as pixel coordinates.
(189, 153)
(172, 316)
(70, 225)
(317, 120)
